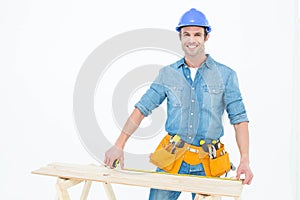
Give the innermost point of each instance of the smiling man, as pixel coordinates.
(192, 41)
(198, 91)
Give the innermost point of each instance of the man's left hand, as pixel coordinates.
(244, 168)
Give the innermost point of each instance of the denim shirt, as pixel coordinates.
(195, 108)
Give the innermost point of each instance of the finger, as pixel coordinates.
(248, 179)
(110, 164)
(105, 160)
(238, 175)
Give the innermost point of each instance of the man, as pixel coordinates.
(198, 91)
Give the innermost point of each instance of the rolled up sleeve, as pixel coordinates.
(153, 97)
(234, 102)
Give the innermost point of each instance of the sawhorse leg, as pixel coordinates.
(109, 191)
(208, 197)
(62, 186)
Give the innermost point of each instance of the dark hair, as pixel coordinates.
(205, 31)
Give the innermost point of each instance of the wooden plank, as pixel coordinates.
(185, 183)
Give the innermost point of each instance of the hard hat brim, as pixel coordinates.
(208, 28)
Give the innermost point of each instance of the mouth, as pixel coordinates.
(192, 46)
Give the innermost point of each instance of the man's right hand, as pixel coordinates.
(116, 152)
(112, 154)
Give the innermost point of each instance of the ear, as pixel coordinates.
(206, 38)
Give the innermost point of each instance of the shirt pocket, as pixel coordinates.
(216, 90)
(215, 94)
(175, 96)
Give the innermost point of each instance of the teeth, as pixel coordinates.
(192, 46)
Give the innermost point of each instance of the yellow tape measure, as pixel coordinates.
(117, 162)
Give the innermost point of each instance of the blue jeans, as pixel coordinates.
(156, 194)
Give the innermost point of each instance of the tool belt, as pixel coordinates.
(169, 158)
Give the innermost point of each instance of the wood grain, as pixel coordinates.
(185, 183)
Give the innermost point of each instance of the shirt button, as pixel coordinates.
(191, 126)
(193, 88)
(193, 100)
(188, 76)
(190, 137)
(192, 113)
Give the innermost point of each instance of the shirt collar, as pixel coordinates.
(180, 63)
(209, 62)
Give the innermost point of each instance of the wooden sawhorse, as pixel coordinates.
(71, 174)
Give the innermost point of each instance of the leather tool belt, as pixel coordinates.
(169, 157)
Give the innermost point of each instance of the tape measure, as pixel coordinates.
(117, 162)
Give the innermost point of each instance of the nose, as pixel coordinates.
(191, 39)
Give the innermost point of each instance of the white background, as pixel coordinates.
(43, 45)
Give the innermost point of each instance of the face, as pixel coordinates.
(192, 40)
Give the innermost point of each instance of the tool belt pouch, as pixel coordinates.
(164, 159)
(217, 166)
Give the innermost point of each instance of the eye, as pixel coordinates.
(186, 34)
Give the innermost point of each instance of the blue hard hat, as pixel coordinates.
(193, 17)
